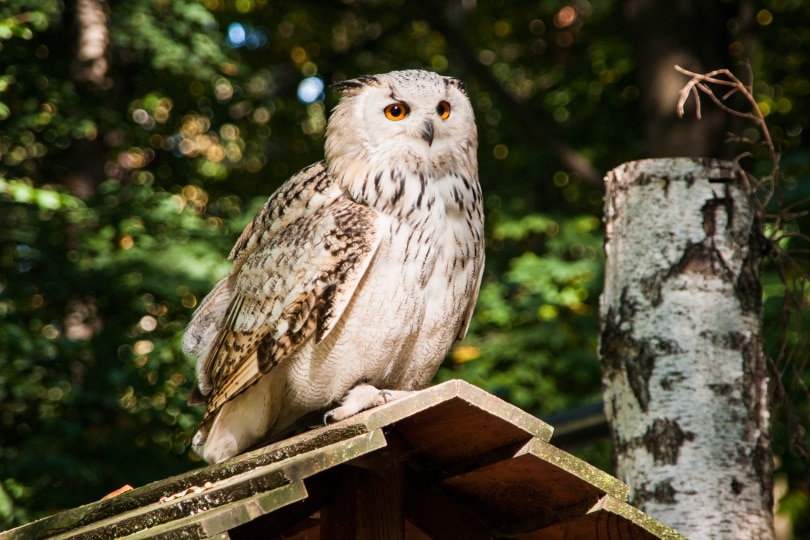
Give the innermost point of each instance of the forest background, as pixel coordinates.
(138, 138)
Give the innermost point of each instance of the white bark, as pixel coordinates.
(93, 39)
(685, 379)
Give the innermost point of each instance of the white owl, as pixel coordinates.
(356, 277)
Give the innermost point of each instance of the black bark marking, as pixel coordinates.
(700, 258)
(690, 179)
(639, 370)
(748, 288)
(721, 389)
(755, 371)
(662, 492)
(620, 351)
(615, 338)
(734, 341)
(709, 211)
(612, 345)
(651, 285)
(703, 258)
(663, 439)
(673, 378)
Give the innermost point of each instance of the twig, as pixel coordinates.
(702, 82)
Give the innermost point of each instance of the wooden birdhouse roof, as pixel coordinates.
(449, 462)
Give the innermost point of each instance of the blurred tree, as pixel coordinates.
(127, 171)
(694, 35)
(98, 268)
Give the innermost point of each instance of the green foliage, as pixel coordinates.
(535, 312)
(94, 304)
(178, 37)
(120, 199)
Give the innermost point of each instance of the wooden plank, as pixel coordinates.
(454, 430)
(450, 393)
(455, 420)
(85, 515)
(598, 478)
(290, 520)
(220, 520)
(230, 490)
(159, 513)
(535, 487)
(503, 410)
(607, 520)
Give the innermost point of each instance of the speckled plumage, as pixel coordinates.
(357, 276)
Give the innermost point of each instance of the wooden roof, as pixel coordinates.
(450, 462)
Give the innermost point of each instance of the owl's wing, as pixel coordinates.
(476, 286)
(296, 268)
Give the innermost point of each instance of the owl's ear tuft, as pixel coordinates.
(450, 81)
(353, 86)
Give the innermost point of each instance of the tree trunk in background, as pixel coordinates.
(692, 34)
(89, 72)
(684, 374)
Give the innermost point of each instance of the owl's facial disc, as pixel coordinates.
(409, 119)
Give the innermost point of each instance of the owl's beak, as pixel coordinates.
(427, 132)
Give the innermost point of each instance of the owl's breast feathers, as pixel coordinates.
(296, 267)
(300, 261)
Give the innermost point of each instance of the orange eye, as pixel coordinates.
(443, 108)
(396, 111)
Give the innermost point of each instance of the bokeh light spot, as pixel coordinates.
(236, 35)
(764, 17)
(310, 90)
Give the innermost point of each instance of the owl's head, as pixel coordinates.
(415, 120)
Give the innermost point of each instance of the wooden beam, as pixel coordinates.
(368, 501)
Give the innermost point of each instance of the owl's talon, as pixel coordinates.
(362, 397)
(392, 395)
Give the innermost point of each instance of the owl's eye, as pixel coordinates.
(396, 111)
(443, 108)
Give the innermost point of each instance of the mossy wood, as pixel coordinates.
(449, 462)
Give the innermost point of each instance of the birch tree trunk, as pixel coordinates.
(684, 375)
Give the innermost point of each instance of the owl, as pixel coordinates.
(357, 276)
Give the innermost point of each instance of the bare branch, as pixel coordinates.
(704, 83)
